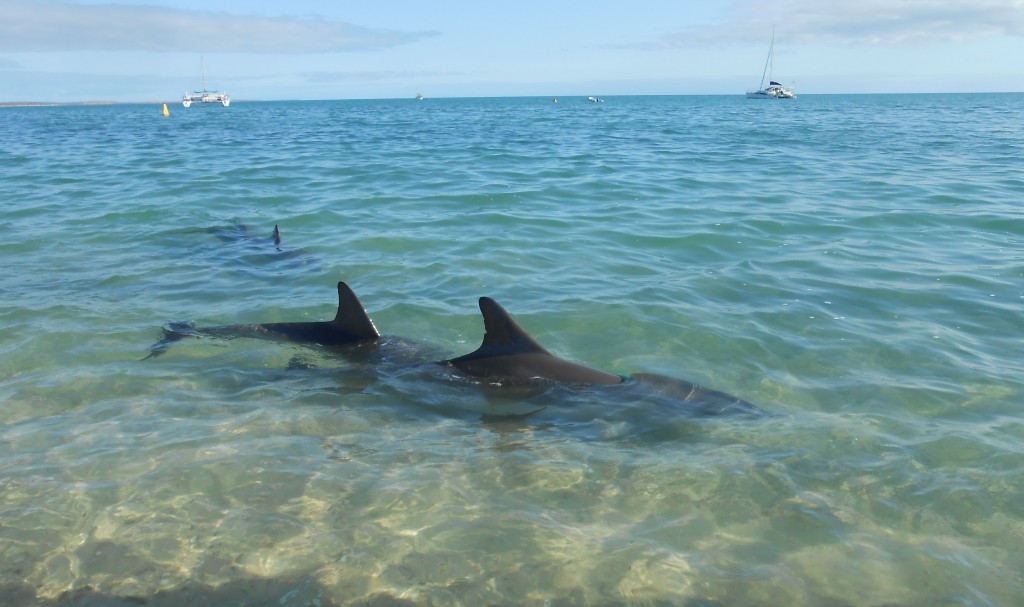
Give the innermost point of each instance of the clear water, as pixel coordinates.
(854, 265)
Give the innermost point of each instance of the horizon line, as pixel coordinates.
(233, 101)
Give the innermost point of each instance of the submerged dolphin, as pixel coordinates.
(351, 325)
(253, 246)
(508, 352)
(240, 232)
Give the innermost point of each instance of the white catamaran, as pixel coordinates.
(774, 89)
(205, 96)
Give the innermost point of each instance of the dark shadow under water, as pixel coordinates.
(399, 374)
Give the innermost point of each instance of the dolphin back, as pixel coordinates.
(696, 398)
(508, 351)
(351, 325)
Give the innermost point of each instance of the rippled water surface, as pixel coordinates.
(852, 265)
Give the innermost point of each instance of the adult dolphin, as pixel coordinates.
(351, 325)
(509, 353)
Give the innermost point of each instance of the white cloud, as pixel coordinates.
(52, 25)
(863, 22)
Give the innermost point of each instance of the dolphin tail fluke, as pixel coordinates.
(352, 317)
(175, 332)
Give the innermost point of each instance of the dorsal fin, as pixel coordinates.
(276, 236)
(509, 352)
(352, 317)
(503, 335)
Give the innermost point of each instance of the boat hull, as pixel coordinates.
(772, 93)
(205, 97)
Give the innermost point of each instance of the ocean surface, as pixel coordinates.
(853, 265)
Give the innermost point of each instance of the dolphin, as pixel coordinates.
(508, 356)
(237, 232)
(351, 325)
(254, 246)
(508, 353)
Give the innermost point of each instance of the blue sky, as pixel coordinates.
(149, 50)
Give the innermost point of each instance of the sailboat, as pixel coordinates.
(774, 90)
(205, 96)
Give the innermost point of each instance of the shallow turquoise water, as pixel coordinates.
(854, 265)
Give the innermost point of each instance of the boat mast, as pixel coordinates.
(768, 61)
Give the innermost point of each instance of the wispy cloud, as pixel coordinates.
(865, 22)
(51, 25)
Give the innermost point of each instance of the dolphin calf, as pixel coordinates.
(351, 325)
(509, 353)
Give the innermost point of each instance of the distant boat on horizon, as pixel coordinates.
(205, 96)
(774, 90)
(420, 97)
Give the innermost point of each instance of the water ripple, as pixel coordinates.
(851, 264)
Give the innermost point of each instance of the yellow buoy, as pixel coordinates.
(166, 111)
